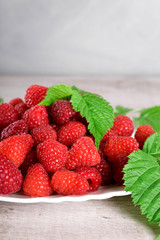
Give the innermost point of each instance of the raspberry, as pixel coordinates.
(118, 176)
(61, 112)
(67, 182)
(42, 133)
(31, 158)
(111, 133)
(105, 170)
(70, 132)
(123, 125)
(116, 146)
(15, 128)
(34, 95)
(36, 116)
(21, 108)
(55, 127)
(16, 101)
(52, 155)
(142, 133)
(37, 182)
(92, 175)
(8, 115)
(83, 152)
(10, 176)
(118, 166)
(16, 147)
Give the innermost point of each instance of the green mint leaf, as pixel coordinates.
(1, 100)
(57, 92)
(150, 116)
(98, 112)
(122, 110)
(152, 145)
(142, 179)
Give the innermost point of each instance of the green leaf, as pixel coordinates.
(142, 179)
(158, 238)
(150, 116)
(152, 145)
(122, 110)
(98, 112)
(1, 100)
(57, 92)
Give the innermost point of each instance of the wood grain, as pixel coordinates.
(112, 219)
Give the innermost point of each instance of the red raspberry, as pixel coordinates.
(118, 166)
(123, 125)
(67, 182)
(16, 101)
(70, 132)
(116, 146)
(92, 175)
(105, 170)
(8, 115)
(36, 116)
(55, 127)
(111, 133)
(142, 133)
(31, 158)
(10, 176)
(118, 176)
(35, 94)
(52, 155)
(16, 128)
(43, 133)
(83, 152)
(61, 112)
(37, 182)
(21, 108)
(16, 147)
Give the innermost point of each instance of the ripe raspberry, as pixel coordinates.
(83, 152)
(16, 101)
(121, 160)
(118, 176)
(21, 108)
(43, 133)
(10, 176)
(37, 182)
(52, 155)
(105, 170)
(67, 182)
(70, 132)
(111, 133)
(36, 116)
(16, 128)
(8, 115)
(123, 126)
(34, 95)
(92, 175)
(142, 133)
(16, 147)
(116, 146)
(55, 127)
(31, 158)
(61, 112)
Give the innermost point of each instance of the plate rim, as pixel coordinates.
(107, 192)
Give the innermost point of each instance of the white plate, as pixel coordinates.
(103, 193)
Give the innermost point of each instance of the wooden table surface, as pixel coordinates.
(111, 219)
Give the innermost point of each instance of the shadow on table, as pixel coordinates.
(126, 207)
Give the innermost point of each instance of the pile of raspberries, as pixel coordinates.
(49, 150)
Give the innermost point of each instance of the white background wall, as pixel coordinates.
(80, 37)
